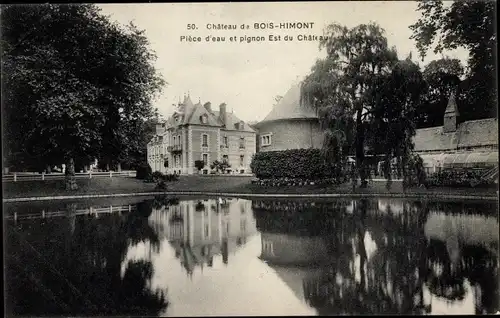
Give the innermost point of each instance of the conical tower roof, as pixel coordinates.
(291, 106)
(452, 108)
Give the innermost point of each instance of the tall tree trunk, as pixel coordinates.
(70, 175)
(360, 151)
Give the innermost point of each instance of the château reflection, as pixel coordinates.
(201, 230)
(383, 257)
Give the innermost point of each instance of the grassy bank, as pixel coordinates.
(234, 184)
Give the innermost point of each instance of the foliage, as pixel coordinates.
(199, 164)
(161, 179)
(160, 201)
(85, 95)
(199, 207)
(459, 178)
(443, 78)
(171, 177)
(304, 164)
(470, 25)
(157, 176)
(220, 166)
(340, 87)
(396, 98)
(144, 171)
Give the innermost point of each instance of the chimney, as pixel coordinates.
(208, 106)
(160, 128)
(223, 113)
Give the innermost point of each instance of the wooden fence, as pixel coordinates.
(34, 176)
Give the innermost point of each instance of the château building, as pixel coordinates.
(293, 124)
(204, 231)
(196, 132)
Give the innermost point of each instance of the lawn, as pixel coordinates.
(218, 184)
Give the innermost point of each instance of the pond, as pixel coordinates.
(228, 256)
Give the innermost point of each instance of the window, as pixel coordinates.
(175, 141)
(204, 119)
(242, 160)
(266, 140)
(205, 159)
(206, 230)
(204, 140)
(242, 142)
(267, 248)
(225, 158)
(224, 141)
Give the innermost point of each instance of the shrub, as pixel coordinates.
(157, 176)
(171, 177)
(306, 164)
(199, 164)
(144, 171)
(220, 166)
(161, 185)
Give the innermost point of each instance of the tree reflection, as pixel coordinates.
(379, 257)
(75, 269)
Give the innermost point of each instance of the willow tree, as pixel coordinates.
(396, 99)
(76, 85)
(340, 87)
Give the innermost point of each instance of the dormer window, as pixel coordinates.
(242, 125)
(204, 119)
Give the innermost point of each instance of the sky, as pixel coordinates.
(248, 76)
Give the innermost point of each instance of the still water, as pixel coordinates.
(213, 256)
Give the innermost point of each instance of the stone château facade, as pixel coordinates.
(196, 132)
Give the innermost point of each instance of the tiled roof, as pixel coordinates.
(474, 133)
(291, 106)
(452, 107)
(232, 119)
(191, 115)
(194, 116)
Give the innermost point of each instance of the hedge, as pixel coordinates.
(293, 164)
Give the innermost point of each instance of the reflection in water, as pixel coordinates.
(201, 257)
(385, 257)
(71, 266)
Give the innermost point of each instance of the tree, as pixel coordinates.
(467, 24)
(443, 78)
(220, 166)
(396, 98)
(199, 164)
(339, 86)
(75, 85)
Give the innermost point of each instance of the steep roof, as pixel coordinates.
(232, 119)
(291, 106)
(191, 115)
(469, 134)
(451, 108)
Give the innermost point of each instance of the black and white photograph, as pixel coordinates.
(250, 158)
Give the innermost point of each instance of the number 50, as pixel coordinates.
(191, 27)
